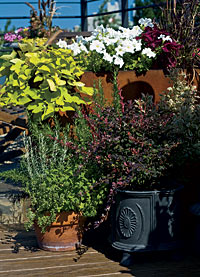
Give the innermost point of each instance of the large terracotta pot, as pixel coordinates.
(154, 82)
(64, 234)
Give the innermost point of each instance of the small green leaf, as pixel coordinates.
(9, 57)
(60, 101)
(87, 90)
(24, 100)
(49, 111)
(38, 78)
(51, 85)
(78, 84)
(44, 68)
(67, 108)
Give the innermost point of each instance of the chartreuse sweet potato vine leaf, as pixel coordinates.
(43, 79)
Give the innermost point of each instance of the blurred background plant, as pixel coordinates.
(109, 20)
(7, 28)
(181, 18)
(17, 35)
(41, 25)
(153, 13)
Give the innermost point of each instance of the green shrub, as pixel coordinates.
(43, 79)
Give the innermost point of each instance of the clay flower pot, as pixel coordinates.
(153, 82)
(64, 234)
(132, 85)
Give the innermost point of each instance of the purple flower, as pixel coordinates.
(19, 37)
(10, 37)
(19, 30)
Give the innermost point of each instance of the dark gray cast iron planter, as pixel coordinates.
(146, 220)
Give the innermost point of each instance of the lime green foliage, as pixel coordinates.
(43, 79)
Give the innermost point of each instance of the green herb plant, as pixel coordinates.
(55, 179)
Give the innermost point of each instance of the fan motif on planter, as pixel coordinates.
(127, 222)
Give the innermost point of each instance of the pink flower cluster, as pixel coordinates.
(10, 37)
(17, 35)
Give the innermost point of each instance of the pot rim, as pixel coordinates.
(168, 191)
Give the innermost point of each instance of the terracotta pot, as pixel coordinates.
(154, 82)
(64, 234)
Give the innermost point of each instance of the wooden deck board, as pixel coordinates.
(31, 261)
(28, 260)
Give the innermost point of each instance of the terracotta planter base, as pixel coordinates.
(63, 235)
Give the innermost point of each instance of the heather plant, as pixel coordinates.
(127, 146)
(182, 100)
(130, 147)
(16, 36)
(139, 145)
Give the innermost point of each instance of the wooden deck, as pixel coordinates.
(20, 256)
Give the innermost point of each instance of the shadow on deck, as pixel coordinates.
(20, 256)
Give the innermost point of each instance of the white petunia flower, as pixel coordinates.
(120, 50)
(137, 44)
(148, 52)
(111, 33)
(83, 48)
(62, 44)
(135, 31)
(75, 48)
(99, 29)
(97, 45)
(146, 22)
(165, 38)
(109, 41)
(128, 46)
(91, 38)
(79, 39)
(107, 57)
(118, 61)
(125, 32)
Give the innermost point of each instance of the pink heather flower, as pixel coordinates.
(10, 37)
(19, 37)
(19, 30)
